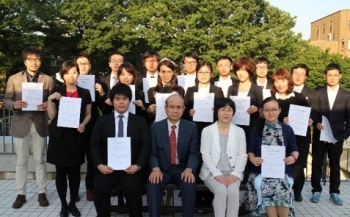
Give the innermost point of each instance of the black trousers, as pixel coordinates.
(298, 167)
(318, 153)
(73, 174)
(90, 169)
(131, 186)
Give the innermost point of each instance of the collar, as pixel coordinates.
(148, 74)
(331, 90)
(260, 84)
(170, 124)
(126, 114)
(298, 88)
(277, 95)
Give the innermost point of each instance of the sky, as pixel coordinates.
(307, 11)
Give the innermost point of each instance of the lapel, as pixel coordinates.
(165, 136)
(234, 89)
(231, 137)
(24, 77)
(131, 124)
(212, 89)
(181, 136)
(111, 125)
(214, 134)
(338, 98)
(323, 95)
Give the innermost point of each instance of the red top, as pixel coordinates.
(72, 94)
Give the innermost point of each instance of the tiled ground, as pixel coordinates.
(31, 209)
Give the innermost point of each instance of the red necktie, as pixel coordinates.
(172, 139)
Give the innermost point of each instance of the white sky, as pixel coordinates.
(307, 11)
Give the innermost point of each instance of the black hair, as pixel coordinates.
(332, 66)
(31, 50)
(120, 89)
(302, 66)
(260, 123)
(222, 102)
(66, 66)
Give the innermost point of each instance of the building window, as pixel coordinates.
(331, 27)
(349, 24)
(324, 28)
(317, 33)
(342, 45)
(349, 45)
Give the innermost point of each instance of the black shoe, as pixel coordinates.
(64, 213)
(74, 210)
(298, 198)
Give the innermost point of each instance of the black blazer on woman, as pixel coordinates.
(152, 92)
(85, 96)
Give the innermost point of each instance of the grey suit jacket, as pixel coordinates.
(22, 120)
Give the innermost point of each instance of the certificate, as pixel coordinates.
(132, 106)
(147, 84)
(87, 82)
(32, 94)
(326, 133)
(298, 117)
(160, 102)
(203, 105)
(69, 112)
(241, 116)
(119, 152)
(186, 81)
(273, 165)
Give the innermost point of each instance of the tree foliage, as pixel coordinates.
(211, 28)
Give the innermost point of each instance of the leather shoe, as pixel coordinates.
(64, 213)
(299, 198)
(43, 200)
(20, 200)
(74, 210)
(89, 195)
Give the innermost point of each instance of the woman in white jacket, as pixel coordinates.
(223, 148)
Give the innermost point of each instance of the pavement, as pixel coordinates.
(324, 208)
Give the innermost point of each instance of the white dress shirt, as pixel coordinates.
(125, 122)
(332, 94)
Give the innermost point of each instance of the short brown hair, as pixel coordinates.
(282, 74)
(130, 69)
(245, 62)
(66, 66)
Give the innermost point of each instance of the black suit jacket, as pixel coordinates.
(268, 84)
(339, 116)
(314, 102)
(187, 146)
(137, 130)
(256, 98)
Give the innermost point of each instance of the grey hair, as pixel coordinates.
(176, 94)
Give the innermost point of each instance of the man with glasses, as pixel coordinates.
(115, 60)
(300, 73)
(262, 65)
(29, 128)
(190, 61)
(150, 60)
(225, 80)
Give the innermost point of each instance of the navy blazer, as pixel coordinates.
(339, 116)
(137, 130)
(187, 146)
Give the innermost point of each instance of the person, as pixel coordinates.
(115, 59)
(335, 106)
(127, 74)
(300, 72)
(166, 84)
(84, 63)
(204, 74)
(244, 68)
(282, 90)
(174, 157)
(262, 66)
(120, 123)
(29, 127)
(65, 149)
(225, 80)
(150, 60)
(190, 61)
(224, 154)
(273, 195)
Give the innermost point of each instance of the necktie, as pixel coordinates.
(172, 139)
(152, 76)
(120, 126)
(262, 86)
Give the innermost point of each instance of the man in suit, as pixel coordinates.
(115, 59)
(335, 106)
(262, 66)
(174, 157)
(120, 123)
(300, 72)
(29, 127)
(150, 60)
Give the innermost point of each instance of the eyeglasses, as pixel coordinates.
(32, 60)
(261, 67)
(190, 62)
(298, 75)
(151, 61)
(224, 65)
(83, 64)
(204, 73)
(173, 107)
(117, 61)
(226, 110)
(271, 110)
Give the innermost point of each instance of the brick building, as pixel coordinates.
(332, 32)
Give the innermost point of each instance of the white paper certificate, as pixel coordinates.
(119, 152)
(160, 102)
(298, 117)
(147, 84)
(273, 165)
(241, 117)
(69, 112)
(132, 106)
(203, 105)
(186, 81)
(32, 94)
(326, 133)
(88, 82)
